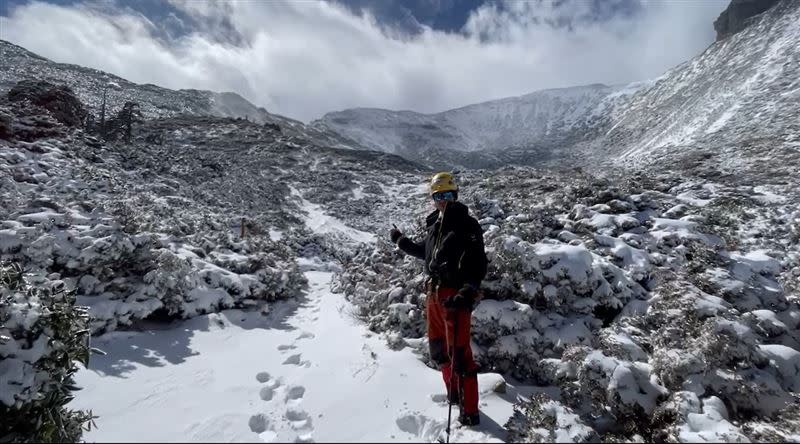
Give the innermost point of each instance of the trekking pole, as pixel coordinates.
(452, 378)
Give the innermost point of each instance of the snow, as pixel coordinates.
(244, 376)
(768, 196)
(671, 230)
(690, 197)
(509, 316)
(786, 361)
(358, 192)
(624, 341)
(631, 383)
(303, 372)
(711, 425)
(317, 220)
(754, 262)
(572, 262)
(723, 119)
(768, 322)
(568, 426)
(496, 124)
(201, 300)
(633, 259)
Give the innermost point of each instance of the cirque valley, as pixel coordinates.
(231, 263)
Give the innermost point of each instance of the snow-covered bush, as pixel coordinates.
(649, 304)
(387, 296)
(59, 101)
(567, 278)
(131, 242)
(544, 420)
(43, 333)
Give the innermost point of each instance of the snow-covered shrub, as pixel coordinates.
(544, 420)
(626, 389)
(59, 101)
(120, 226)
(627, 294)
(564, 278)
(42, 335)
(387, 296)
(698, 420)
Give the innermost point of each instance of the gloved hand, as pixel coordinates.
(463, 300)
(395, 235)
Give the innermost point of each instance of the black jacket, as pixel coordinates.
(454, 255)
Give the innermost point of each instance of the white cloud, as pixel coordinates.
(303, 59)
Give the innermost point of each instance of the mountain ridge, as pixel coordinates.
(728, 91)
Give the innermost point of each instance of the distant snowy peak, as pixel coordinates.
(743, 89)
(550, 115)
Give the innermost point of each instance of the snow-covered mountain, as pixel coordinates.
(17, 63)
(548, 116)
(743, 89)
(738, 97)
(231, 269)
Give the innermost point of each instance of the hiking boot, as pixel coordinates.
(469, 420)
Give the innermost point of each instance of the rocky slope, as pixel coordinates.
(741, 92)
(90, 85)
(734, 102)
(736, 16)
(544, 120)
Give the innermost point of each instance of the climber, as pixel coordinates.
(455, 262)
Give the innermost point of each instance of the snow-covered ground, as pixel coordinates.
(302, 370)
(656, 303)
(307, 370)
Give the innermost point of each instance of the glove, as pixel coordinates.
(395, 235)
(462, 300)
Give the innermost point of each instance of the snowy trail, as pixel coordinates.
(307, 371)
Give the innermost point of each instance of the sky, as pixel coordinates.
(304, 58)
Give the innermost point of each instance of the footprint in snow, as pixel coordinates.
(285, 347)
(297, 415)
(295, 393)
(439, 398)
(306, 335)
(295, 360)
(266, 393)
(263, 377)
(261, 425)
(300, 421)
(421, 426)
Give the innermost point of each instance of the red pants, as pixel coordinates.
(449, 339)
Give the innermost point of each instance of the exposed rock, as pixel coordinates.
(735, 17)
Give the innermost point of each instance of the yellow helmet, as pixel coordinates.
(442, 182)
